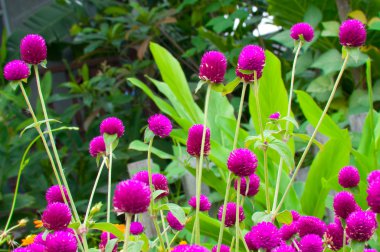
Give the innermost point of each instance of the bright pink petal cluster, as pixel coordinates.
(311, 243)
(104, 240)
(54, 194)
(253, 186)
(230, 218)
(189, 248)
(310, 225)
(223, 248)
(160, 125)
(61, 241)
(284, 248)
(33, 49)
(373, 196)
(97, 146)
(194, 141)
(344, 204)
(131, 196)
(204, 203)
(56, 216)
(302, 29)
(264, 235)
(334, 235)
(174, 222)
(242, 162)
(352, 33)
(213, 67)
(111, 126)
(251, 58)
(16, 70)
(136, 228)
(349, 177)
(361, 225)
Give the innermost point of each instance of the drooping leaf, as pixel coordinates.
(141, 146)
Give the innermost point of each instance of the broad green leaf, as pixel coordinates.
(140, 146)
(306, 138)
(157, 193)
(313, 15)
(285, 217)
(330, 29)
(109, 140)
(230, 87)
(176, 210)
(283, 150)
(108, 227)
(261, 217)
(94, 250)
(38, 123)
(110, 245)
(148, 135)
(135, 246)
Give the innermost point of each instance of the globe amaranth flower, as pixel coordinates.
(287, 231)
(189, 248)
(352, 33)
(22, 249)
(39, 239)
(370, 250)
(361, 225)
(223, 248)
(311, 243)
(302, 29)
(33, 49)
(349, 177)
(174, 222)
(373, 176)
(136, 228)
(295, 215)
(275, 116)
(56, 216)
(213, 67)
(111, 126)
(159, 181)
(284, 248)
(194, 141)
(344, 204)
(204, 203)
(35, 247)
(242, 162)
(230, 218)
(61, 241)
(131, 196)
(104, 240)
(253, 186)
(251, 58)
(16, 70)
(373, 196)
(97, 146)
(160, 125)
(54, 194)
(334, 235)
(264, 235)
(310, 225)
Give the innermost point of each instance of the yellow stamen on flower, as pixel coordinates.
(28, 240)
(38, 223)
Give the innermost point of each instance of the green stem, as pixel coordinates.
(173, 239)
(242, 238)
(162, 243)
(243, 91)
(109, 189)
(344, 237)
(313, 135)
(371, 116)
(266, 179)
(128, 219)
(150, 174)
(164, 228)
(237, 227)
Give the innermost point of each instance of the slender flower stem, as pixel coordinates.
(258, 110)
(244, 242)
(200, 167)
(344, 237)
(173, 239)
(313, 135)
(164, 228)
(237, 227)
(128, 219)
(266, 179)
(162, 243)
(371, 116)
(109, 189)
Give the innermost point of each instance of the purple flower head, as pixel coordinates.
(194, 141)
(302, 29)
(204, 203)
(284, 248)
(39, 239)
(361, 225)
(287, 231)
(251, 58)
(370, 250)
(56, 216)
(104, 240)
(22, 249)
(310, 225)
(253, 187)
(16, 70)
(189, 248)
(61, 241)
(159, 181)
(373, 196)
(213, 67)
(160, 125)
(373, 176)
(142, 176)
(352, 33)
(174, 222)
(349, 177)
(35, 247)
(231, 214)
(275, 116)
(295, 215)
(311, 243)
(33, 49)
(111, 126)
(97, 146)
(223, 248)
(334, 235)
(242, 162)
(344, 204)
(136, 228)
(54, 194)
(265, 235)
(131, 196)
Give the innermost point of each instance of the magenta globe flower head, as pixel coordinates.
(334, 236)
(35, 247)
(275, 116)
(251, 58)
(39, 239)
(344, 204)
(61, 241)
(361, 225)
(104, 240)
(302, 31)
(373, 176)
(56, 216)
(174, 222)
(160, 125)
(311, 243)
(370, 250)
(231, 214)
(352, 33)
(287, 231)
(22, 249)
(160, 182)
(111, 126)
(204, 203)
(54, 194)
(373, 196)
(253, 187)
(223, 248)
(131, 196)
(33, 49)
(189, 248)
(16, 70)
(295, 215)
(194, 141)
(265, 236)
(97, 146)
(284, 248)
(213, 67)
(142, 176)
(242, 162)
(349, 177)
(310, 225)
(136, 228)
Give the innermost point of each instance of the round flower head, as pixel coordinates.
(136, 228)
(275, 116)
(231, 214)
(39, 239)
(16, 70)
(373, 196)
(352, 33)
(22, 249)
(142, 176)
(373, 176)
(56, 216)
(189, 248)
(61, 241)
(370, 250)
(253, 187)
(160, 125)
(104, 240)
(310, 225)
(344, 204)
(295, 215)
(174, 222)
(242, 162)
(302, 29)
(223, 248)
(131, 196)
(111, 126)
(311, 243)
(194, 141)
(35, 247)
(97, 146)
(33, 49)
(334, 235)
(287, 231)
(349, 177)
(204, 203)
(361, 225)
(54, 194)
(251, 58)
(265, 236)
(159, 182)
(284, 248)
(213, 67)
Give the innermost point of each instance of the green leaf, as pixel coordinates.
(354, 53)
(251, 140)
(306, 138)
(148, 135)
(330, 29)
(43, 63)
(109, 141)
(284, 217)
(135, 246)
(313, 15)
(217, 87)
(176, 210)
(157, 193)
(230, 87)
(94, 250)
(283, 150)
(200, 85)
(290, 119)
(110, 245)
(260, 217)
(357, 246)
(246, 71)
(108, 227)
(33, 125)
(14, 84)
(140, 146)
